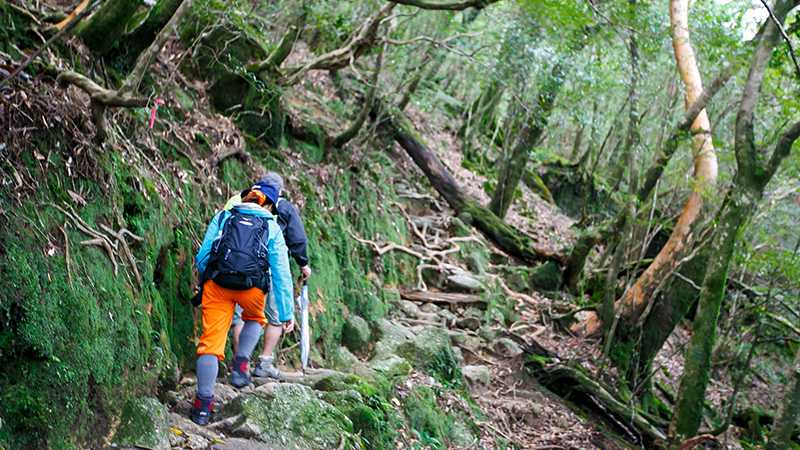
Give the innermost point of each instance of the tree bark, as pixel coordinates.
(107, 25)
(532, 130)
(632, 138)
(697, 368)
(507, 238)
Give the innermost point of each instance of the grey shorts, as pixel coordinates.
(270, 310)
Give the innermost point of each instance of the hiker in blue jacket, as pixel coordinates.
(243, 256)
(296, 241)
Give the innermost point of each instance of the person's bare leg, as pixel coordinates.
(266, 366)
(235, 341)
(271, 337)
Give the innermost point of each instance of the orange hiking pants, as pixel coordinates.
(218, 305)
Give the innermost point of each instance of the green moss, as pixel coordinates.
(432, 425)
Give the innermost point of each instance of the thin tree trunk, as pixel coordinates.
(632, 139)
(532, 130)
(697, 369)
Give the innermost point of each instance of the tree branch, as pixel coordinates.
(352, 130)
(785, 37)
(344, 56)
(447, 6)
(782, 149)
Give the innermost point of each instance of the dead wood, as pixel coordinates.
(449, 298)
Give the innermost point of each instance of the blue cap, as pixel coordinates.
(272, 192)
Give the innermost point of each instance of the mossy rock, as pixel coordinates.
(433, 426)
(430, 351)
(546, 277)
(144, 424)
(356, 333)
(291, 417)
(372, 415)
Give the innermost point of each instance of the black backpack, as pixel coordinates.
(238, 259)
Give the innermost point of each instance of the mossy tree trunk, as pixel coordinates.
(697, 368)
(108, 24)
(141, 38)
(751, 178)
(514, 166)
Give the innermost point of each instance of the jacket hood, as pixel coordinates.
(251, 209)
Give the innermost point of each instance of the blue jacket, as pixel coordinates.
(276, 254)
(289, 220)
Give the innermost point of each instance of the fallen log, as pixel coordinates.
(506, 237)
(574, 383)
(449, 298)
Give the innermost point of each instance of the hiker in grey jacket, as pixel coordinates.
(296, 241)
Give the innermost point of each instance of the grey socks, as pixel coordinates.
(248, 339)
(207, 368)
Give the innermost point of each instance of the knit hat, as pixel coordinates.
(272, 192)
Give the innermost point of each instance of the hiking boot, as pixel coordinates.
(202, 410)
(266, 369)
(240, 375)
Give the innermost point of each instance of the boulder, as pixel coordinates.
(546, 277)
(392, 335)
(430, 351)
(431, 308)
(356, 333)
(477, 374)
(463, 281)
(468, 323)
(390, 365)
(144, 423)
(408, 308)
(289, 416)
(507, 348)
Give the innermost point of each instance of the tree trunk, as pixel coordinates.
(632, 138)
(507, 238)
(107, 25)
(697, 368)
(532, 130)
(782, 431)
(141, 38)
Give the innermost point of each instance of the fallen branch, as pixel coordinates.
(691, 443)
(449, 298)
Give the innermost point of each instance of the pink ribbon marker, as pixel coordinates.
(158, 102)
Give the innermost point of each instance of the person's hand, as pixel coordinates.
(288, 327)
(306, 272)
